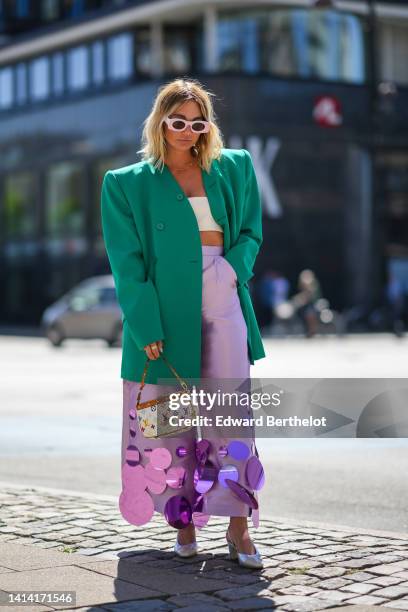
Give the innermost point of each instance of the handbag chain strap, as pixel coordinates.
(142, 384)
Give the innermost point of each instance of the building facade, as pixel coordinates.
(317, 94)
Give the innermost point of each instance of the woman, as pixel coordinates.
(182, 230)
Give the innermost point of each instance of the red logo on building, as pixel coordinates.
(327, 111)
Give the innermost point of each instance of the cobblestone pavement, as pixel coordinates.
(66, 541)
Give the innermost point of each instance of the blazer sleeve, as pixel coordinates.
(136, 293)
(242, 254)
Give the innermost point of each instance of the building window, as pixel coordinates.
(77, 68)
(39, 78)
(178, 51)
(143, 53)
(50, 10)
(64, 192)
(19, 212)
(98, 62)
(57, 61)
(120, 54)
(393, 50)
(6, 87)
(21, 83)
(322, 44)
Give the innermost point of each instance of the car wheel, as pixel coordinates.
(55, 335)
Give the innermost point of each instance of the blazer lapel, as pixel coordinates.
(211, 182)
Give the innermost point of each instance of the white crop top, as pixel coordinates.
(202, 211)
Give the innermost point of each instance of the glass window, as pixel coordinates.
(323, 44)
(50, 10)
(57, 73)
(64, 192)
(393, 50)
(100, 168)
(120, 54)
(177, 54)
(143, 53)
(19, 211)
(6, 87)
(21, 83)
(77, 68)
(98, 59)
(39, 78)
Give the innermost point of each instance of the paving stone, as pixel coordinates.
(367, 600)
(194, 598)
(384, 580)
(298, 589)
(392, 592)
(252, 603)
(327, 572)
(240, 593)
(391, 568)
(332, 595)
(308, 606)
(400, 604)
(333, 583)
(361, 588)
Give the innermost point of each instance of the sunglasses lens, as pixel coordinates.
(198, 126)
(179, 124)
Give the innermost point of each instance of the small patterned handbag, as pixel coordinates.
(153, 415)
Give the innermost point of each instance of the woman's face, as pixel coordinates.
(182, 141)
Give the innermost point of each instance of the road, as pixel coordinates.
(60, 426)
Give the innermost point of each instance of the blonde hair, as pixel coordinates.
(168, 98)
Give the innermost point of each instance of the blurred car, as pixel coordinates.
(89, 310)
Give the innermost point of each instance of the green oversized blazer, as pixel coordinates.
(154, 248)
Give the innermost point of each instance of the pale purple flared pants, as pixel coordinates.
(224, 356)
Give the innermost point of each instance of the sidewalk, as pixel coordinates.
(64, 541)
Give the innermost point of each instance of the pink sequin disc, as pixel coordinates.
(155, 479)
(175, 477)
(136, 509)
(160, 457)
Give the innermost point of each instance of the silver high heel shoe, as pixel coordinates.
(185, 550)
(253, 561)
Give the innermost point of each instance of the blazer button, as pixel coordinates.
(160, 226)
(179, 196)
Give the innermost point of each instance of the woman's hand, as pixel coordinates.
(154, 349)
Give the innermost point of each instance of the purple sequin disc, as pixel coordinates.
(204, 477)
(132, 413)
(155, 479)
(181, 451)
(160, 457)
(238, 450)
(133, 477)
(255, 473)
(175, 477)
(136, 509)
(132, 455)
(132, 432)
(242, 493)
(177, 511)
(227, 471)
(223, 451)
